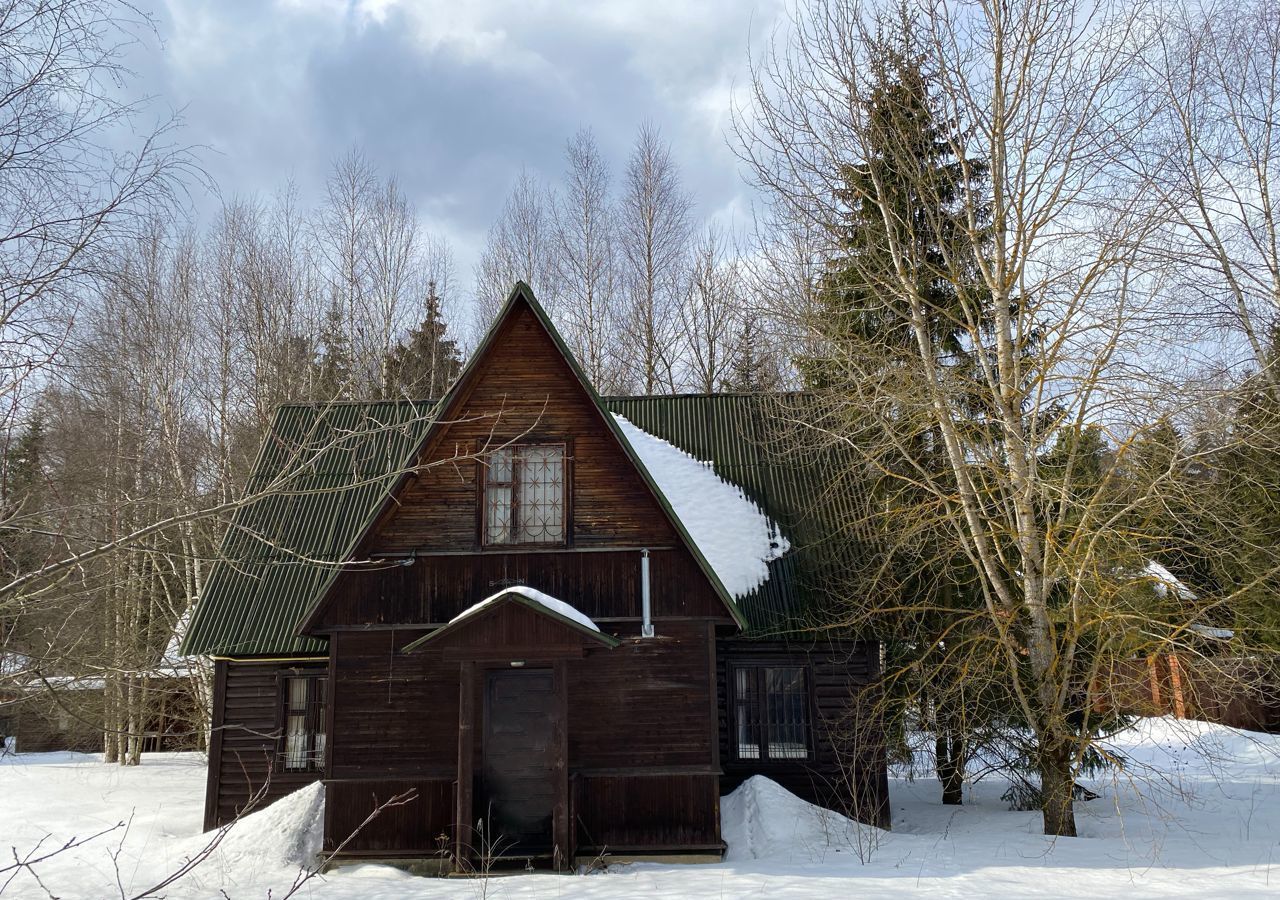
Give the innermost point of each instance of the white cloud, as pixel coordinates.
(454, 96)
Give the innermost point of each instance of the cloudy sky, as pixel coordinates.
(455, 96)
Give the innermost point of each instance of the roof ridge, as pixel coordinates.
(324, 404)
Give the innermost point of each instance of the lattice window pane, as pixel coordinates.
(501, 463)
(747, 713)
(788, 703)
(297, 739)
(304, 735)
(540, 474)
(525, 495)
(320, 742)
(499, 496)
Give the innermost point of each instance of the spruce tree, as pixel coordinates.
(882, 264)
(427, 362)
(861, 294)
(333, 370)
(1247, 481)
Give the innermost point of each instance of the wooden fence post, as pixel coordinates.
(1154, 673)
(1175, 680)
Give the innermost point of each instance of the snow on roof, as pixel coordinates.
(1220, 634)
(172, 662)
(733, 533)
(72, 682)
(556, 606)
(1163, 580)
(14, 664)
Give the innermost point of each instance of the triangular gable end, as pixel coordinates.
(521, 298)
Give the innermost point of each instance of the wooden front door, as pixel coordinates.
(518, 779)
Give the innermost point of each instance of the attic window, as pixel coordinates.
(524, 495)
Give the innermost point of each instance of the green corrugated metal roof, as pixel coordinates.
(320, 476)
(758, 442)
(326, 470)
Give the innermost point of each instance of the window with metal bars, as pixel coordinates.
(524, 495)
(771, 712)
(303, 740)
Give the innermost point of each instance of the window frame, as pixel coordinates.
(315, 717)
(758, 670)
(482, 494)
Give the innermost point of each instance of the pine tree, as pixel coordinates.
(427, 362)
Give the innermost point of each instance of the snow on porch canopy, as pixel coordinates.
(531, 598)
(556, 606)
(735, 536)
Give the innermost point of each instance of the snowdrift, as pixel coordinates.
(280, 838)
(762, 820)
(1195, 813)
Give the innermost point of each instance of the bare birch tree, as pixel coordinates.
(653, 238)
(710, 311)
(64, 196)
(1212, 156)
(392, 252)
(520, 246)
(587, 265)
(80, 173)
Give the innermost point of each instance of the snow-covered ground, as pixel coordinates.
(1198, 814)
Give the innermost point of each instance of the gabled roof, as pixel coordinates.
(454, 400)
(326, 474)
(324, 478)
(522, 291)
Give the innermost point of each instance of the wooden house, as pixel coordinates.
(492, 601)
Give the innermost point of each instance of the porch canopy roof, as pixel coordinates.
(516, 621)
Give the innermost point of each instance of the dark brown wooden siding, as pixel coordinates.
(647, 811)
(525, 391)
(395, 714)
(601, 585)
(644, 704)
(847, 769)
(243, 755)
(395, 729)
(642, 749)
(641, 738)
(418, 828)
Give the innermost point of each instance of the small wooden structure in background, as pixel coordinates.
(1229, 691)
